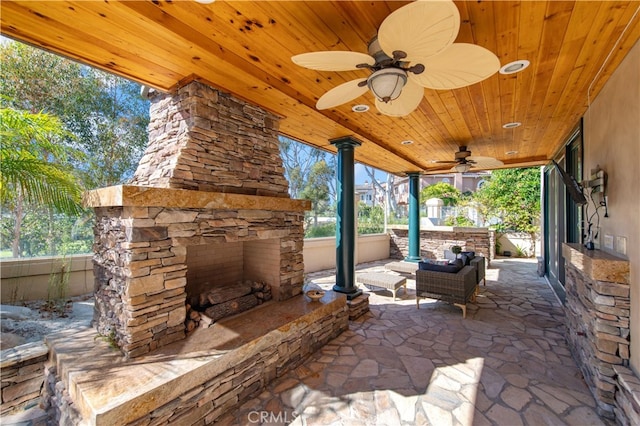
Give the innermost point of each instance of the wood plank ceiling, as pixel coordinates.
(244, 47)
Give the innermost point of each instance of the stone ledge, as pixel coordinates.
(141, 196)
(23, 353)
(108, 389)
(596, 264)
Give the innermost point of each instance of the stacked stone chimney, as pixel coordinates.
(211, 175)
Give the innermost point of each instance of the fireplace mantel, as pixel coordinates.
(596, 264)
(141, 196)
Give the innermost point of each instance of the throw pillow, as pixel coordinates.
(470, 254)
(426, 266)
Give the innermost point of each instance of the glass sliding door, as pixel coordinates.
(562, 217)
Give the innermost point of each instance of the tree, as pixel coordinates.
(298, 160)
(511, 199)
(317, 188)
(103, 112)
(102, 116)
(446, 192)
(34, 167)
(387, 191)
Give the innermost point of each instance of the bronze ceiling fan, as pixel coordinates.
(414, 49)
(464, 161)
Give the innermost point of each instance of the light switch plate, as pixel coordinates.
(621, 245)
(608, 241)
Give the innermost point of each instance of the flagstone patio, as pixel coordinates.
(507, 363)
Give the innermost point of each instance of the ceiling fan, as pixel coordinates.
(464, 161)
(414, 49)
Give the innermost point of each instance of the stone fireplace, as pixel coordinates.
(208, 206)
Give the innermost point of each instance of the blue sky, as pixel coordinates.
(361, 175)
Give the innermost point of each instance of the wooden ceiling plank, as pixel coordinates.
(557, 18)
(532, 17)
(607, 27)
(99, 53)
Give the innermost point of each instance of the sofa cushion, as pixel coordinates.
(458, 262)
(466, 261)
(427, 266)
(470, 254)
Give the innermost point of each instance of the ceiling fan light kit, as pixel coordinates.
(387, 83)
(413, 50)
(462, 168)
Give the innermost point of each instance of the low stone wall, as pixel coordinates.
(627, 407)
(22, 376)
(597, 311)
(182, 386)
(433, 242)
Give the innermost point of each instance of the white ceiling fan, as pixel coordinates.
(414, 49)
(464, 161)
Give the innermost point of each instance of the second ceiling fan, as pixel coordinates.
(464, 161)
(414, 49)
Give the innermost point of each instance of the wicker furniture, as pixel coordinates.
(479, 263)
(457, 288)
(388, 281)
(402, 267)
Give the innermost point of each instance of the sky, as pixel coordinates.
(361, 175)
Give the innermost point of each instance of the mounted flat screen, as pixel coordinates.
(573, 187)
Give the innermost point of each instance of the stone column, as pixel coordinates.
(414, 218)
(345, 220)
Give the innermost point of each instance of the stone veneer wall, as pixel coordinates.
(22, 376)
(206, 140)
(597, 309)
(627, 409)
(140, 265)
(433, 242)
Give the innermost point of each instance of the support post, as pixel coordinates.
(345, 221)
(414, 218)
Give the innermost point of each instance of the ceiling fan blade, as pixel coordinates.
(460, 65)
(332, 60)
(484, 162)
(405, 104)
(444, 162)
(420, 29)
(342, 94)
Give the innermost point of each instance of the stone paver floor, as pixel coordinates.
(507, 363)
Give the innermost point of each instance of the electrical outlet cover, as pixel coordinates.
(621, 245)
(608, 241)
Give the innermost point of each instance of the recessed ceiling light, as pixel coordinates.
(511, 152)
(514, 67)
(205, 1)
(360, 108)
(512, 125)
(407, 142)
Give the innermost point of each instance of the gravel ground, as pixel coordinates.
(32, 321)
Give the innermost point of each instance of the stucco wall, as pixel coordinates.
(35, 279)
(612, 141)
(320, 253)
(28, 279)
